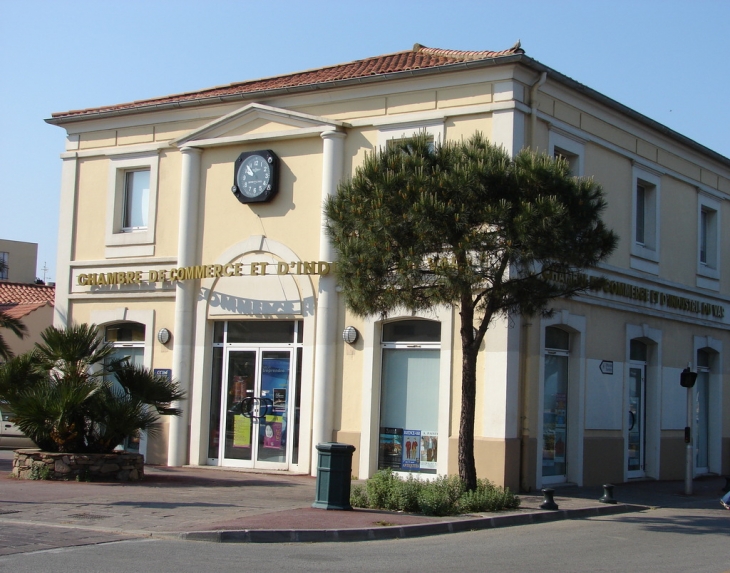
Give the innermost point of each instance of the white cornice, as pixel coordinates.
(253, 112)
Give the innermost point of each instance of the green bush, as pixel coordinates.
(359, 497)
(444, 495)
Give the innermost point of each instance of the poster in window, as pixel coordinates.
(560, 410)
(273, 432)
(391, 448)
(429, 450)
(411, 450)
(241, 432)
(559, 451)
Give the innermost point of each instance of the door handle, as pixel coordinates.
(633, 420)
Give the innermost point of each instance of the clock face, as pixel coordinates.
(255, 176)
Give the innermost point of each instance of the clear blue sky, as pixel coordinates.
(667, 59)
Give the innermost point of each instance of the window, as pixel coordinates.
(136, 200)
(128, 340)
(3, 265)
(131, 207)
(708, 242)
(409, 402)
(435, 132)
(570, 149)
(645, 221)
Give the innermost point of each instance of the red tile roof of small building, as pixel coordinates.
(420, 57)
(20, 310)
(15, 293)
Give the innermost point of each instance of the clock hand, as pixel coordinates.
(248, 170)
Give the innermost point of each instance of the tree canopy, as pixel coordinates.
(464, 224)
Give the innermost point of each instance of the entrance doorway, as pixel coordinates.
(702, 414)
(636, 453)
(256, 409)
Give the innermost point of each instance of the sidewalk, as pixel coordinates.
(213, 504)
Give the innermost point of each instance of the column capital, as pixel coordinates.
(191, 150)
(333, 134)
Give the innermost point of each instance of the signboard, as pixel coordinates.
(606, 366)
(164, 372)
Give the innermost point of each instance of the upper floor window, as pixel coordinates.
(645, 221)
(435, 132)
(572, 150)
(131, 206)
(136, 200)
(3, 265)
(708, 240)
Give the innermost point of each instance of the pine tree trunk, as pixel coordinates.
(467, 466)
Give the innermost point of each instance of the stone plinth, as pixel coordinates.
(117, 466)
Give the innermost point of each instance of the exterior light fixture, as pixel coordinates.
(349, 335)
(163, 336)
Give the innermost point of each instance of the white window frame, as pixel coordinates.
(645, 254)
(434, 129)
(121, 242)
(709, 269)
(571, 148)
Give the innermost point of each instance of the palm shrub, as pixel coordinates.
(68, 395)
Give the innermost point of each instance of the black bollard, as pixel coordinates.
(607, 494)
(548, 502)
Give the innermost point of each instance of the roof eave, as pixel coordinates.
(215, 100)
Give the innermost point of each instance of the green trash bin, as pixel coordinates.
(334, 472)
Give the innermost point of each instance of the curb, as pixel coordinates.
(401, 531)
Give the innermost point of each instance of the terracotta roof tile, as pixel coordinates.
(16, 293)
(22, 309)
(419, 57)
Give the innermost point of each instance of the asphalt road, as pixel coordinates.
(662, 540)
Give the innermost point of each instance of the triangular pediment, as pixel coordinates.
(257, 121)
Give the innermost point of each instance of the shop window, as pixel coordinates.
(128, 340)
(645, 218)
(4, 265)
(572, 150)
(131, 206)
(409, 405)
(555, 405)
(702, 413)
(708, 240)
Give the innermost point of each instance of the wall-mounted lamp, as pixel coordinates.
(163, 335)
(349, 335)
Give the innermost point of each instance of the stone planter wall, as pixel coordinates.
(117, 466)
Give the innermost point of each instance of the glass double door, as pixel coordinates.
(257, 405)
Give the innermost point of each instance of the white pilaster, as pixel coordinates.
(65, 240)
(508, 130)
(326, 329)
(185, 292)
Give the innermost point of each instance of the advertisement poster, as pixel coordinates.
(241, 432)
(272, 432)
(429, 450)
(391, 448)
(560, 410)
(559, 456)
(411, 450)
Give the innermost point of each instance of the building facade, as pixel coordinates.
(18, 260)
(211, 262)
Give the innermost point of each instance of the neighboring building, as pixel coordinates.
(243, 280)
(19, 260)
(33, 306)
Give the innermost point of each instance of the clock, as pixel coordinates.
(256, 176)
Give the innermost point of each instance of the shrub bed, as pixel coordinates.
(445, 495)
